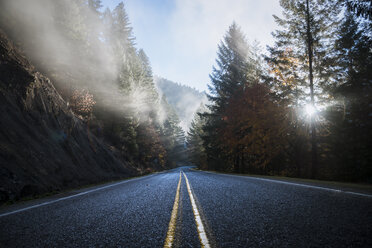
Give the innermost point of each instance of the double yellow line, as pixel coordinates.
(172, 223)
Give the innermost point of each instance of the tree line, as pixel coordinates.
(92, 58)
(301, 109)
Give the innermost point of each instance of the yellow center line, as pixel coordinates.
(172, 223)
(199, 224)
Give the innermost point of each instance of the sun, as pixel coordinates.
(310, 110)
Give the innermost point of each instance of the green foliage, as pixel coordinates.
(255, 122)
(349, 119)
(173, 136)
(95, 52)
(361, 8)
(184, 99)
(195, 144)
(237, 70)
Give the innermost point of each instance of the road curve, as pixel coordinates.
(233, 211)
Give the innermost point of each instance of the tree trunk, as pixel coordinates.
(314, 155)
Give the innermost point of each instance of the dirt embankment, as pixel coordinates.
(43, 146)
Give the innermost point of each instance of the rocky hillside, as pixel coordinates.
(43, 146)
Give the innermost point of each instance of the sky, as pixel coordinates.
(181, 36)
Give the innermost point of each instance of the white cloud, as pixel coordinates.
(198, 26)
(181, 40)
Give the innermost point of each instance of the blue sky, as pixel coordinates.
(181, 36)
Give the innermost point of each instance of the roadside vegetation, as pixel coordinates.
(303, 108)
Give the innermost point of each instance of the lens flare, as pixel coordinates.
(310, 110)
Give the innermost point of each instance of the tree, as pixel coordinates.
(172, 135)
(80, 48)
(232, 68)
(227, 78)
(307, 27)
(349, 118)
(82, 102)
(256, 128)
(237, 66)
(195, 144)
(360, 8)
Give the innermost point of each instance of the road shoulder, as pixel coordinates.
(357, 188)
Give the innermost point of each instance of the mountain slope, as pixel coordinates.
(43, 146)
(184, 99)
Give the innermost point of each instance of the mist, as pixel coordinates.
(184, 99)
(79, 48)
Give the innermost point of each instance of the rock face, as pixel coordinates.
(43, 146)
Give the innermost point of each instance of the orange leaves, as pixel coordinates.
(152, 149)
(82, 102)
(255, 124)
(284, 64)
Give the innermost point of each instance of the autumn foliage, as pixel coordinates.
(254, 128)
(82, 102)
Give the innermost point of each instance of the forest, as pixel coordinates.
(98, 70)
(301, 109)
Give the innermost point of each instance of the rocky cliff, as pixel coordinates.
(43, 146)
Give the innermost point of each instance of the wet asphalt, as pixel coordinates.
(236, 212)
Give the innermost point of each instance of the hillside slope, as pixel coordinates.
(184, 99)
(43, 146)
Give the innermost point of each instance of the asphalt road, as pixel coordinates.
(233, 211)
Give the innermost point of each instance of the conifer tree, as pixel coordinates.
(235, 67)
(195, 144)
(232, 68)
(349, 118)
(172, 135)
(361, 8)
(307, 27)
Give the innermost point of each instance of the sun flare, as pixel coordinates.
(310, 110)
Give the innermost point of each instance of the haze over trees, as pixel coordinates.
(305, 110)
(184, 99)
(302, 108)
(92, 58)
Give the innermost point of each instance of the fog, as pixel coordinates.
(186, 100)
(70, 43)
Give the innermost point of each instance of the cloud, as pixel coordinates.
(181, 36)
(198, 26)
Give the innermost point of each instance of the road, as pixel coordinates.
(225, 211)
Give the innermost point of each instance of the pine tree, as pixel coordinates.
(236, 66)
(232, 68)
(195, 144)
(93, 22)
(121, 29)
(172, 135)
(255, 130)
(145, 80)
(361, 8)
(349, 118)
(307, 27)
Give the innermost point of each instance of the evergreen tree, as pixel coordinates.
(349, 118)
(195, 144)
(144, 80)
(235, 67)
(172, 135)
(232, 68)
(123, 39)
(93, 22)
(307, 27)
(360, 8)
(255, 129)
